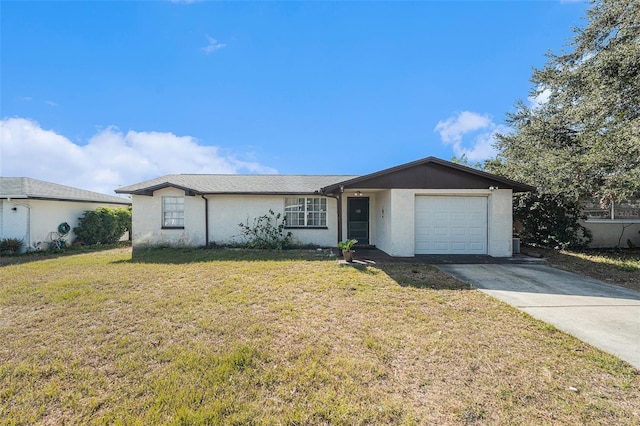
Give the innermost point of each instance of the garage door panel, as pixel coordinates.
(457, 203)
(450, 225)
(440, 231)
(441, 202)
(458, 217)
(477, 232)
(440, 217)
(457, 232)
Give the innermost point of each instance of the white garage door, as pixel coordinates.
(451, 225)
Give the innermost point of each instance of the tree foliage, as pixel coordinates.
(550, 220)
(584, 139)
(103, 225)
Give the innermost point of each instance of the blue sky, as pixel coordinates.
(103, 94)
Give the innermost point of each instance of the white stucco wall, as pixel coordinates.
(613, 233)
(147, 221)
(33, 221)
(382, 216)
(392, 231)
(402, 222)
(500, 223)
(227, 211)
(399, 222)
(225, 214)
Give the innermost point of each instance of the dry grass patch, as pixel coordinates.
(223, 337)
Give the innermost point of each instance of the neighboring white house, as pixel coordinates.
(32, 210)
(429, 206)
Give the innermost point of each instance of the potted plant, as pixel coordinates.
(345, 246)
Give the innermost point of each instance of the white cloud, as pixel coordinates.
(540, 98)
(452, 130)
(470, 134)
(110, 158)
(213, 45)
(52, 104)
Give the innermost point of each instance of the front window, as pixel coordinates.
(173, 212)
(305, 212)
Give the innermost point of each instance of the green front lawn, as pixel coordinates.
(235, 337)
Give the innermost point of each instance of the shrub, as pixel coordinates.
(550, 220)
(103, 225)
(267, 232)
(10, 245)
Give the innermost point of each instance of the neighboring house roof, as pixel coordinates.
(28, 188)
(236, 184)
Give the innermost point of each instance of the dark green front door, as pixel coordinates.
(358, 219)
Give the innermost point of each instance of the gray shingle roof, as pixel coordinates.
(238, 184)
(24, 187)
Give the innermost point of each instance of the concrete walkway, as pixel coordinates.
(601, 314)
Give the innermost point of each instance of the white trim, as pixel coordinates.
(176, 214)
(306, 211)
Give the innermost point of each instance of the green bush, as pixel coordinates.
(550, 220)
(10, 245)
(103, 225)
(267, 232)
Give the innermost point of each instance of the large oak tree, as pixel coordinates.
(583, 139)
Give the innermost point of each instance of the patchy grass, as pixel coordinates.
(620, 267)
(32, 256)
(237, 337)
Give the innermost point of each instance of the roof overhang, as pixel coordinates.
(429, 173)
(148, 191)
(13, 197)
(191, 192)
(123, 201)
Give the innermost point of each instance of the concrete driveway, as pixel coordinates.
(601, 314)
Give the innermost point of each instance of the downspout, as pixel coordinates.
(206, 221)
(338, 199)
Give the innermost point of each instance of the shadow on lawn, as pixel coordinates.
(177, 256)
(414, 275)
(36, 256)
(406, 274)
